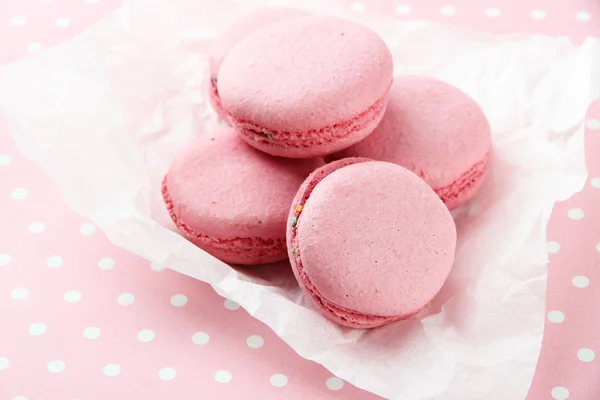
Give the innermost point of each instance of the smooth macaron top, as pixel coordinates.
(372, 237)
(430, 127)
(228, 189)
(305, 73)
(240, 28)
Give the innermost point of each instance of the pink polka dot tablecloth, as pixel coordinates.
(83, 319)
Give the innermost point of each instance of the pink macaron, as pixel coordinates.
(306, 86)
(436, 131)
(231, 200)
(238, 30)
(369, 241)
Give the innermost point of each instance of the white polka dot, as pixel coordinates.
(564, 39)
(598, 247)
(4, 259)
(19, 293)
(581, 281)
(591, 123)
(19, 398)
(279, 380)
(179, 300)
(493, 12)
(19, 194)
(255, 341)
(92, 1)
(556, 317)
(358, 6)
(595, 182)
(4, 363)
(223, 376)
(586, 355)
(575, 213)
(552, 246)
(63, 22)
(146, 335)
(167, 373)
(18, 20)
(157, 267)
(4, 160)
(87, 229)
(560, 393)
(56, 366)
(448, 11)
(334, 383)
(403, 9)
(583, 16)
(538, 14)
(72, 296)
(111, 370)
(37, 227)
(91, 332)
(54, 261)
(37, 329)
(126, 299)
(106, 263)
(34, 47)
(200, 338)
(231, 305)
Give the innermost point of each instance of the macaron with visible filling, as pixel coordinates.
(238, 30)
(369, 241)
(231, 200)
(435, 130)
(306, 86)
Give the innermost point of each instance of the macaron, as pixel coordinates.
(306, 86)
(435, 130)
(238, 30)
(231, 200)
(369, 242)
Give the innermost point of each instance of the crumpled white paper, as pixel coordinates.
(104, 115)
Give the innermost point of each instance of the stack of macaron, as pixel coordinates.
(326, 158)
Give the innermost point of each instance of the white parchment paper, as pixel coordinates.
(104, 115)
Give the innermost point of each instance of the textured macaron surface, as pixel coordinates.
(431, 128)
(240, 28)
(221, 187)
(305, 73)
(371, 238)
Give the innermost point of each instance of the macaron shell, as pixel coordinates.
(431, 128)
(239, 29)
(305, 73)
(243, 26)
(372, 242)
(225, 190)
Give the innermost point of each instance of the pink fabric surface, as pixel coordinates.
(83, 319)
